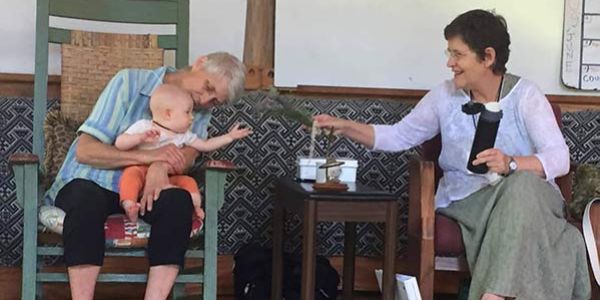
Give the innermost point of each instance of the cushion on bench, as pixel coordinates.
(119, 231)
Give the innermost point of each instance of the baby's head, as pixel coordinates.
(172, 107)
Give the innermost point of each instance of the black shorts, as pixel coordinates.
(87, 205)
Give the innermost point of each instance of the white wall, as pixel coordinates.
(215, 25)
(400, 43)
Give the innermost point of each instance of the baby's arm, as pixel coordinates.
(215, 143)
(126, 141)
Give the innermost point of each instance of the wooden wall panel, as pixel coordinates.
(566, 102)
(21, 85)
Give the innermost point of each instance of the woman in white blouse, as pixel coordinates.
(517, 242)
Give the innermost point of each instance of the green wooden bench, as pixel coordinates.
(27, 168)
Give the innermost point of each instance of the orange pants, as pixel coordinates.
(134, 177)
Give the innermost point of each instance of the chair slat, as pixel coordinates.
(63, 36)
(59, 36)
(150, 12)
(57, 251)
(112, 277)
(168, 42)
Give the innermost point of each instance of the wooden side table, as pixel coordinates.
(358, 204)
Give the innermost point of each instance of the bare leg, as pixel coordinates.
(82, 280)
(160, 281)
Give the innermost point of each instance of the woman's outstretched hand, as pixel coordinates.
(356, 131)
(328, 122)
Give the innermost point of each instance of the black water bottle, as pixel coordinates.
(485, 134)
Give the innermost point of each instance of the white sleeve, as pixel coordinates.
(189, 137)
(420, 125)
(139, 127)
(550, 146)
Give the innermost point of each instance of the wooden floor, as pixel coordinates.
(10, 287)
(10, 282)
(367, 296)
(365, 286)
(135, 292)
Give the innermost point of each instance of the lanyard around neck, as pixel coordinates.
(500, 90)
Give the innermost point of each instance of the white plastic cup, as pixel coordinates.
(320, 176)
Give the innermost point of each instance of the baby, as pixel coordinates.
(172, 116)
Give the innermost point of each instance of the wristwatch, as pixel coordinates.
(512, 166)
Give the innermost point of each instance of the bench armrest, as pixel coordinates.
(224, 165)
(23, 159)
(565, 183)
(421, 221)
(26, 170)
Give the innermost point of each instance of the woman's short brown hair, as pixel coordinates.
(480, 29)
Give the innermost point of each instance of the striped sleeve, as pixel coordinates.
(109, 111)
(200, 125)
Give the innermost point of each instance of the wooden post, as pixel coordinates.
(258, 44)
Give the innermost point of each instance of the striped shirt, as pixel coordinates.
(124, 101)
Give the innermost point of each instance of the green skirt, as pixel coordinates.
(518, 243)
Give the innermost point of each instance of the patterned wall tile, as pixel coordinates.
(582, 133)
(16, 132)
(271, 153)
(268, 154)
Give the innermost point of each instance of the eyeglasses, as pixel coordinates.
(454, 54)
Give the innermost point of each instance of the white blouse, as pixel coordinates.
(528, 127)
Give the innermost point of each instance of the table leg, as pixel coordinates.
(308, 250)
(277, 262)
(389, 256)
(349, 259)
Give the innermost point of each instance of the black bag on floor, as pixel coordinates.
(253, 269)
(252, 273)
(326, 279)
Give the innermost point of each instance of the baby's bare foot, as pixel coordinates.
(197, 201)
(131, 208)
(200, 213)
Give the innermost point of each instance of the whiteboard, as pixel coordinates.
(581, 45)
(400, 43)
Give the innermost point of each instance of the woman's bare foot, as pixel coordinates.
(132, 209)
(488, 296)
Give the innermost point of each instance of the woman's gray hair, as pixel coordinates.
(230, 67)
